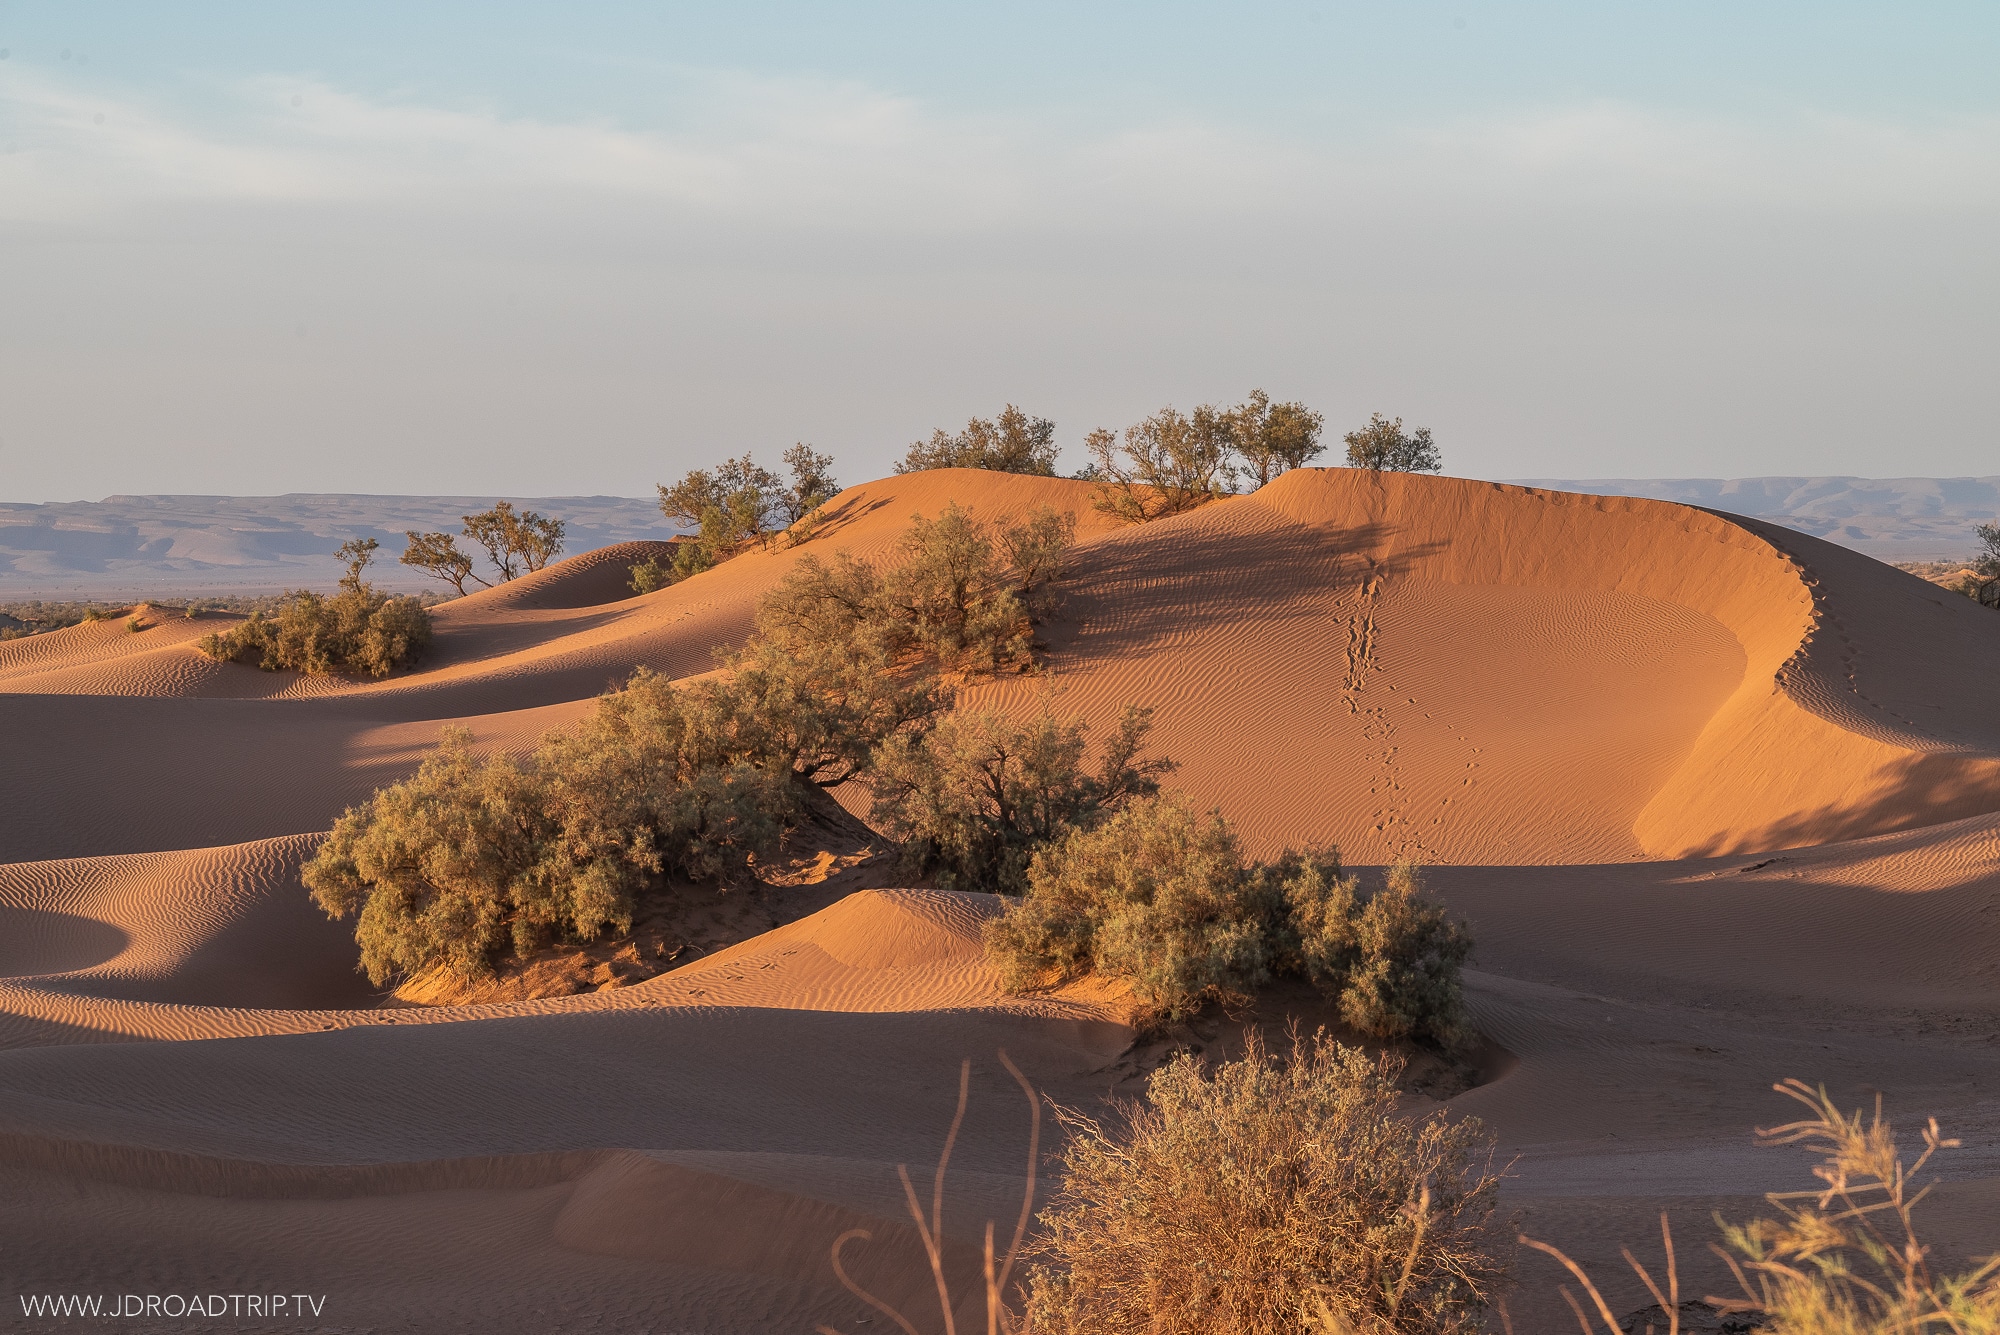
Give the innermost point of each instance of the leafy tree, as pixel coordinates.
(973, 799)
(514, 541)
(1168, 464)
(736, 504)
(1383, 446)
(1012, 443)
(812, 483)
(360, 629)
(1986, 566)
(438, 555)
(1273, 438)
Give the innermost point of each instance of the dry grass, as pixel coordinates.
(1844, 1258)
(1001, 1318)
(1270, 1195)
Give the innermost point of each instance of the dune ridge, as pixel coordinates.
(1721, 802)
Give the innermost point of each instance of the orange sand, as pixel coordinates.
(1721, 801)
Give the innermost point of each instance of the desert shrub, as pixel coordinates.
(1270, 1195)
(430, 864)
(960, 601)
(973, 799)
(1162, 897)
(649, 575)
(1385, 447)
(1012, 443)
(1159, 895)
(1402, 966)
(360, 629)
(468, 856)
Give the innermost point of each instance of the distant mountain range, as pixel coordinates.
(1889, 518)
(131, 546)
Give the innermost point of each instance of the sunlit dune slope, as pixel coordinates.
(1465, 672)
(1407, 666)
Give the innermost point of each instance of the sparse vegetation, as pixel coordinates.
(1167, 465)
(1841, 1258)
(1274, 438)
(735, 506)
(360, 629)
(963, 600)
(1162, 897)
(471, 857)
(1270, 1195)
(1385, 447)
(514, 542)
(1983, 583)
(1012, 443)
(973, 799)
(1173, 462)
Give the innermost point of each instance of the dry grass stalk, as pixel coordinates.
(1842, 1259)
(998, 1269)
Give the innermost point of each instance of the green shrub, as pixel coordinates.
(432, 864)
(1402, 975)
(1162, 897)
(466, 857)
(1270, 1196)
(972, 799)
(1012, 443)
(360, 629)
(960, 600)
(1158, 895)
(649, 576)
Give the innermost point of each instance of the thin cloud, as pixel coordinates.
(840, 155)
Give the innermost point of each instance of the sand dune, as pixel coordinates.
(1721, 801)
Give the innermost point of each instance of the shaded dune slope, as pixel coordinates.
(1429, 667)
(1721, 802)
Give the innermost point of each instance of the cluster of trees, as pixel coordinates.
(515, 542)
(360, 629)
(1162, 896)
(1172, 461)
(471, 856)
(735, 506)
(1012, 443)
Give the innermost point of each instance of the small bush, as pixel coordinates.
(649, 576)
(360, 629)
(1162, 897)
(1270, 1196)
(973, 799)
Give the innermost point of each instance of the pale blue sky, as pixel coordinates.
(519, 249)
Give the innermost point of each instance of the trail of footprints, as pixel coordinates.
(1400, 827)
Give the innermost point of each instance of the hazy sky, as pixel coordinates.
(558, 249)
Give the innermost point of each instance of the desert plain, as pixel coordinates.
(1719, 800)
